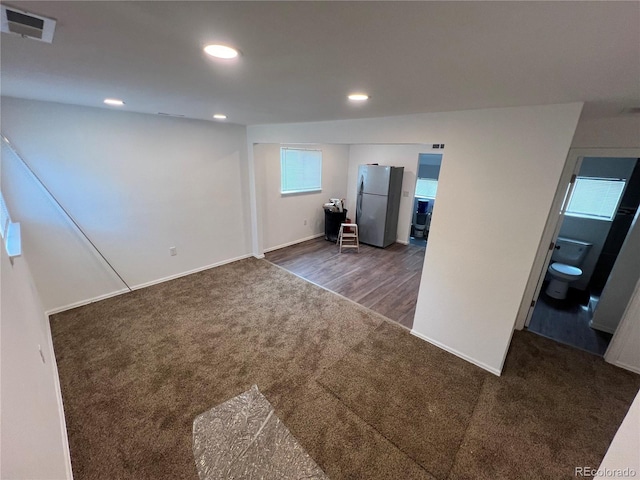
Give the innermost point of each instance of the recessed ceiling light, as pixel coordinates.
(116, 102)
(220, 116)
(358, 97)
(221, 51)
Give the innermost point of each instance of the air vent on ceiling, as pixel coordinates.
(632, 110)
(171, 114)
(27, 25)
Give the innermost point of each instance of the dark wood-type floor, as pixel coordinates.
(385, 280)
(567, 321)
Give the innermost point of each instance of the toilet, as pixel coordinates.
(421, 225)
(422, 218)
(566, 260)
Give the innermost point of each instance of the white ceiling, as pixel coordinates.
(300, 59)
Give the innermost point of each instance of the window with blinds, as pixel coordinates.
(426, 187)
(300, 170)
(9, 231)
(5, 220)
(596, 198)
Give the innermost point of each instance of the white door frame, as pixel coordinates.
(624, 332)
(554, 221)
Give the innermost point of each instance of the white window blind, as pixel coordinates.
(300, 170)
(4, 217)
(596, 198)
(9, 231)
(426, 187)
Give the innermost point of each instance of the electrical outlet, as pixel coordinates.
(405, 193)
(172, 251)
(305, 221)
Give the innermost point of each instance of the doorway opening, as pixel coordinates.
(424, 199)
(574, 303)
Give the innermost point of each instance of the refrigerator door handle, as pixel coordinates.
(359, 200)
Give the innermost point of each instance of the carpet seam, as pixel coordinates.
(391, 442)
(466, 430)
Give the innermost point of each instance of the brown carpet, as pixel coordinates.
(554, 408)
(135, 370)
(389, 380)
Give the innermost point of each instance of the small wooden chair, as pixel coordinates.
(348, 236)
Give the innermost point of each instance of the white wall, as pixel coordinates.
(33, 439)
(619, 288)
(285, 215)
(619, 131)
(394, 155)
(623, 350)
(623, 451)
(137, 184)
(500, 171)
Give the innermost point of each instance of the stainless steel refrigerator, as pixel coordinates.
(377, 204)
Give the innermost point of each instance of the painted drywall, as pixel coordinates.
(430, 165)
(622, 456)
(49, 235)
(623, 350)
(500, 171)
(137, 184)
(592, 230)
(394, 155)
(617, 292)
(429, 171)
(285, 215)
(33, 443)
(619, 131)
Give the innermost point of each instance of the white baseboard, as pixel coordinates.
(64, 308)
(184, 274)
(602, 328)
(259, 257)
(143, 285)
(403, 242)
(58, 391)
(288, 244)
(482, 365)
(631, 368)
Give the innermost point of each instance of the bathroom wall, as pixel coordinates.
(619, 288)
(620, 227)
(429, 167)
(592, 230)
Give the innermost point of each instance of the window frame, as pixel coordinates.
(595, 216)
(298, 191)
(9, 231)
(430, 180)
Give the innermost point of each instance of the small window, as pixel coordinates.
(9, 231)
(5, 220)
(596, 198)
(300, 170)
(426, 187)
